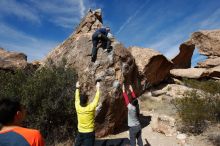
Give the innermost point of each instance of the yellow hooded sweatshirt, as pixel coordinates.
(86, 115)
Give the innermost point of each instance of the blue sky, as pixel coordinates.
(36, 26)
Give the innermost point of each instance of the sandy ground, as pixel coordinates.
(153, 139)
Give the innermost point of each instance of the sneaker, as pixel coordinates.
(93, 59)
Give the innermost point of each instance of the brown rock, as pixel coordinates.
(212, 72)
(193, 73)
(176, 91)
(210, 62)
(164, 124)
(208, 42)
(12, 60)
(111, 68)
(196, 73)
(90, 22)
(152, 65)
(183, 59)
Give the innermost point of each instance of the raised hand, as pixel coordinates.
(77, 84)
(123, 88)
(97, 85)
(130, 88)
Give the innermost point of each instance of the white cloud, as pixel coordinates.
(82, 8)
(62, 13)
(70, 11)
(212, 20)
(131, 17)
(34, 48)
(23, 11)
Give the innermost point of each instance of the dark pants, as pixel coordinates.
(135, 133)
(85, 139)
(105, 44)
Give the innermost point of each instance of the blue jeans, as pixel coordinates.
(85, 139)
(135, 133)
(105, 44)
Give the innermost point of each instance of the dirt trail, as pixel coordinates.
(153, 138)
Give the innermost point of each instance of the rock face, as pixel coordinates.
(153, 67)
(193, 73)
(12, 61)
(183, 59)
(207, 42)
(111, 68)
(210, 62)
(196, 73)
(164, 124)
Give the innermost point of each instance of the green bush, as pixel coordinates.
(210, 86)
(195, 111)
(48, 96)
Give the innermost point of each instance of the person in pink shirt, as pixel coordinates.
(133, 117)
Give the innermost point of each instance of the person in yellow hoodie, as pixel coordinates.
(86, 117)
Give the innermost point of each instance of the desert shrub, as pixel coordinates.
(210, 86)
(48, 96)
(195, 111)
(11, 82)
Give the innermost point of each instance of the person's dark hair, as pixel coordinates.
(83, 99)
(134, 102)
(8, 109)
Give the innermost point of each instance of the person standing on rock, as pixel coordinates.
(100, 35)
(86, 117)
(133, 117)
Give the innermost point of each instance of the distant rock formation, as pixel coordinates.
(207, 42)
(183, 59)
(12, 61)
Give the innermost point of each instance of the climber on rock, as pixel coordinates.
(100, 35)
(133, 117)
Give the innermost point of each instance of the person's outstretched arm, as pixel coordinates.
(95, 101)
(132, 92)
(125, 95)
(77, 94)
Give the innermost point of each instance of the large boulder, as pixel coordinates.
(111, 68)
(153, 67)
(208, 44)
(12, 60)
(183, 59)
